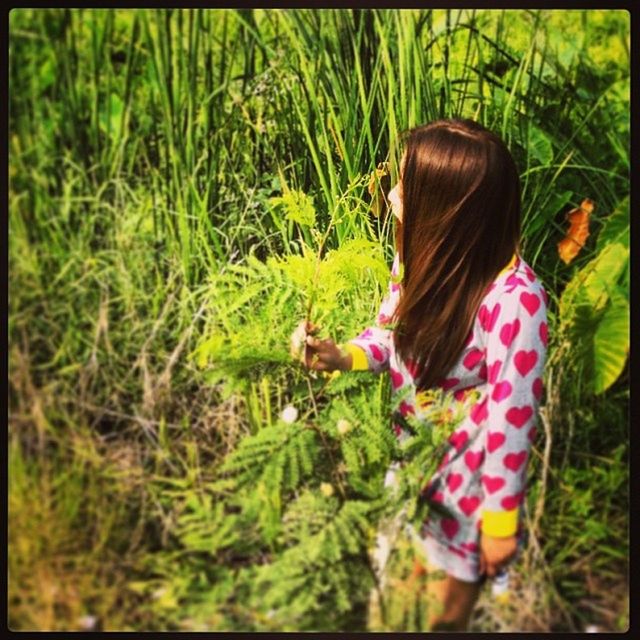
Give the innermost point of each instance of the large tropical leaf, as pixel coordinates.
(611, 343)
(616, 227)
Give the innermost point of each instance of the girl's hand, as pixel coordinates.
(495, 553)
(319, 355)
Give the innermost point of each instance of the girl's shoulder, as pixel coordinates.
(517, 286)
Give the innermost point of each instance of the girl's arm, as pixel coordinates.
(371, 349)
(368, 351)
(516, 351)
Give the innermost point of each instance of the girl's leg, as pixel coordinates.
(450, 601)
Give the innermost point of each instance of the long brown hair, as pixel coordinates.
(461, 225)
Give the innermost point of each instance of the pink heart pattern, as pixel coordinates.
(492, 483)
(479, 411)
(493, 371)
(473, 459)
(472, 358)
(537, 388)
(529, 272)
(449, 383)
(501, 365)
(514, 461)
(454, 480)
(458, 439)
(469, 504)
(406, 409)
(511, 502)
(396, 378)
(525, 361)
(450, 527)
(460, 394)
(544, 333)
(495, 440)
(376, 352)
(501, 391)
(530, 302)
(509, 332)
(488, 318)
(518, 416)
(412, 368)
(513, 281)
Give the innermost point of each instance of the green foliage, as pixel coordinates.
(255, 306)
(298, 207)
(151, 218)
(594, 307)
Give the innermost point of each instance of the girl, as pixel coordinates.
(468, 315)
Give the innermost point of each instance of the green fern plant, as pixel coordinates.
(307, 493)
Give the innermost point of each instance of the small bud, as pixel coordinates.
(289, 414)
(343, 426)
(326, 489)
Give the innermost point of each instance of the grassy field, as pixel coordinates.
(186, 185)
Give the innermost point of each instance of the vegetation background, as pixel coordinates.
(185, 185)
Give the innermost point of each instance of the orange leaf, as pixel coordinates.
(570, 245)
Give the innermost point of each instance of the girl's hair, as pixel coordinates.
(461, 225)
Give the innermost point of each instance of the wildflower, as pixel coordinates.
(88, 623)
(326, 489)
(344, 426)
(289, 414)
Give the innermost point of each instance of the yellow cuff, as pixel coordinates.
(500, 524)
(359, 360)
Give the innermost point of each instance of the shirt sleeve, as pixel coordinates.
(370, 350)
(515, 337)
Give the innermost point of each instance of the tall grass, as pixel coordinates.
(146, 150)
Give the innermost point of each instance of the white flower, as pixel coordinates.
(326, 489)
(88, 623)
(289, 414)
(343, 426)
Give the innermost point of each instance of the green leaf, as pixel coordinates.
(111, 115)
(540, 146)
(611, 343)
(555, 203)
(616, 227)
(593, 283)
(607, 269)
